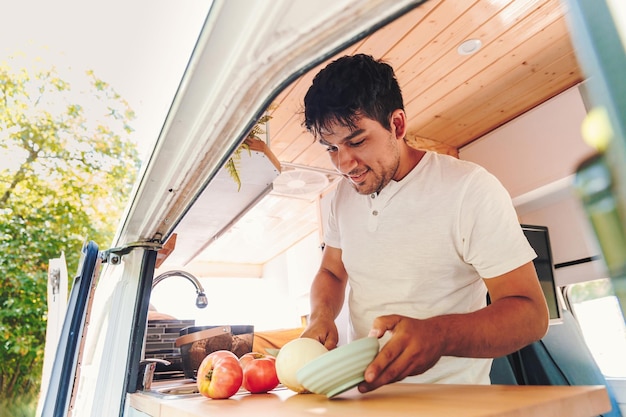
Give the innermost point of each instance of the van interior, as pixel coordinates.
(498, 83)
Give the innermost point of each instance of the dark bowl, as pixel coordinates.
(196, 342)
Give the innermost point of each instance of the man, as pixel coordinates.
(420, 237)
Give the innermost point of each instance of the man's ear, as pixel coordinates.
(398, 123)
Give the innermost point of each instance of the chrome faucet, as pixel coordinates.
(201, 299)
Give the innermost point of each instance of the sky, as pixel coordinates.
(139, 47)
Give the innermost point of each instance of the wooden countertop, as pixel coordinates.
(394, 400)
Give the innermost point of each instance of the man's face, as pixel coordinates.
(368, 156)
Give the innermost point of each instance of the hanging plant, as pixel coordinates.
(232, 165)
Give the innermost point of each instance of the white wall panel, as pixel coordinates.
(535, 156)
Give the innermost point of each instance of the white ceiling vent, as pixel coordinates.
(300, 183)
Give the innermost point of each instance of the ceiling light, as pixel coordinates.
(469, 47)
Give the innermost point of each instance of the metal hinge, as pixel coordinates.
(114, 256)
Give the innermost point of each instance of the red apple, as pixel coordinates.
(246, 358)
(223, 354)
(259, 373)
(219, 375)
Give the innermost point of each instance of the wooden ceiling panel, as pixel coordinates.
(507, 70)
(470, 81)
(438, 56)
(450, 99)
(390, 38)
(457, 72)
(488, 100)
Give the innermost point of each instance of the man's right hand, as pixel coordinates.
(324, 331)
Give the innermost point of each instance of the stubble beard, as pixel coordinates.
(377, 181)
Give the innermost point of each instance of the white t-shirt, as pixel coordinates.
(421, 247)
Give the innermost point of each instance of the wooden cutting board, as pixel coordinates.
(395, 400)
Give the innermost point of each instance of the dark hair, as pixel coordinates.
(349, 88)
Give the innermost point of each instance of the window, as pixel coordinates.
(598, 312)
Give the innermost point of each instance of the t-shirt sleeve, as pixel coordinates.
(493, 240)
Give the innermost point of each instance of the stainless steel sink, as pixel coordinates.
(182, 390)
(174, 390)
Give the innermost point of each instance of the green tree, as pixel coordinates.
(66, 170)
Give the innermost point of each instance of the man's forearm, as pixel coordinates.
(327, 296)
(499, 329)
